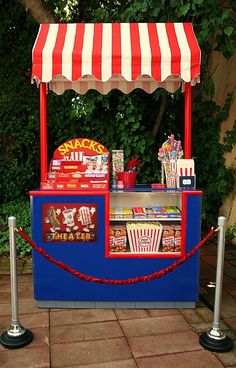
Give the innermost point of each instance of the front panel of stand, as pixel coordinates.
(83, 243)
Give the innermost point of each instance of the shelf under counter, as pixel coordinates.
(168, 219)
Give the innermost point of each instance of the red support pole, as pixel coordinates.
(188, 121)
(43, 132)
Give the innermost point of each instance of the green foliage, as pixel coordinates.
(213, 177)
(21, 210)
(230, 234)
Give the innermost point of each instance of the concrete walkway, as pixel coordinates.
(120, 338)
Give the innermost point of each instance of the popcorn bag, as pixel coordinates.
(144, 237)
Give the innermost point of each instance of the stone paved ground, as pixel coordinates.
(120, 338)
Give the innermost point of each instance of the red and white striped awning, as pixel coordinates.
(125, 56)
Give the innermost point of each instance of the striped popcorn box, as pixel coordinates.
(171, 173)
(85, 215)
(144, 237)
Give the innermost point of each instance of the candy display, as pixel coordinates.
(168, 154)
(143, 213)
(120, 213)
(117, 162)
(78, 164)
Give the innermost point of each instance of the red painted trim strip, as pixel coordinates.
(67, 193)
(43, 132)
(183, 224)
(187, 120)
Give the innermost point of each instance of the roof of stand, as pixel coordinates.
(125, 56)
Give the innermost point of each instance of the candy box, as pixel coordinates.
(139, 212)
(118, 238)
(144, 237)
(168, 239)
(177, 237)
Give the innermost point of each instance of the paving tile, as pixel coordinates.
(88, 352)
(228, 359)
(22, 286)
(154, 325)
(40, 319)
(191, 315)
(74, 316)
(131, 313)
(207, 271)
(231, 322)
(193, 359)
(162, 312)
(24, 308)
(30, 321)
(27, 295)
(228, 305)
(85, 331)
(164, 344)
(25, 358)
(114, 364)
(206, 314)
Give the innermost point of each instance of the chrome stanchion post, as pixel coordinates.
(215, 339)
(16, 336)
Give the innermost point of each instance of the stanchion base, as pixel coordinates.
(219, 346)
(10, 342)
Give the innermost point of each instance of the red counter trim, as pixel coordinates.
(66, 193)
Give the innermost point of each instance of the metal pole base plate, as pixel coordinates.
(10, 342)
(219, 346)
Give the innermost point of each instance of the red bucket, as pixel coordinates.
(128, 178)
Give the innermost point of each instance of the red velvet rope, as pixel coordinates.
(133, 280)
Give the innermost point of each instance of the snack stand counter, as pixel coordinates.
(74, 215)
(94, 256)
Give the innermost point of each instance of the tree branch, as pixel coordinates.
(161, 111)
(39, 11)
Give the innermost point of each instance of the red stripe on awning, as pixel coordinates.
(57, 51)
(77, 52)
(38, 50)
(195, 50)
(116, 49)
(97, 51)
(155, 50)
(175, 50)
(135, 50)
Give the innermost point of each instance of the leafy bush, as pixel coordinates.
(21, 210)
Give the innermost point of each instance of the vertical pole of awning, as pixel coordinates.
(187, 120)
(43, 131)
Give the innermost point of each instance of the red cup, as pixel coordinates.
(128, 178)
